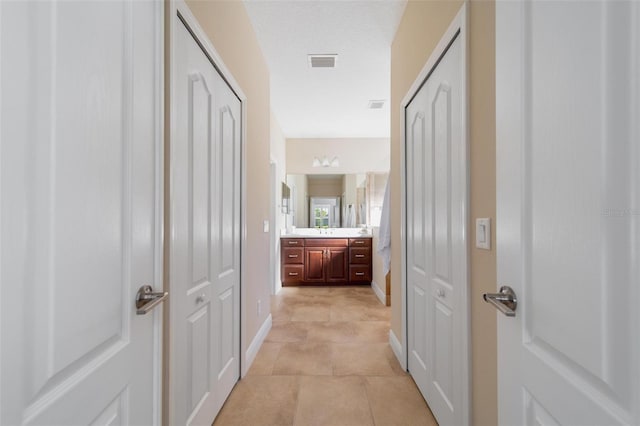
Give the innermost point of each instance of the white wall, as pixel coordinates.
(356, 155)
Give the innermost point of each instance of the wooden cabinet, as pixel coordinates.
(326, 260)
(319, 261)
(293, 265)
(292, 254)
(360, 260)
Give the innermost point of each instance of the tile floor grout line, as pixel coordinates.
(366, 391)
(295, 407)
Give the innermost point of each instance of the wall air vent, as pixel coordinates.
(323, 61)
(376, 104)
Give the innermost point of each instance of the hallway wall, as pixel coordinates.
(422, 26)
(228, 27)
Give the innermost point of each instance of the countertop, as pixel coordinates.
(336, 234)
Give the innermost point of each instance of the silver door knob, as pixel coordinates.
(505, 301)
(147, 299)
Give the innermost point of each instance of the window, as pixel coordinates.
(321, 216)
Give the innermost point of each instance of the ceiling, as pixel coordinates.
(328, 102)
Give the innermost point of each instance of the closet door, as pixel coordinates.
(205, 235)
(436, 246)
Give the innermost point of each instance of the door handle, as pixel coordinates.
(505, 301)
(146, 299)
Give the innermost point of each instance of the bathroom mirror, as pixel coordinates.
(336, 200)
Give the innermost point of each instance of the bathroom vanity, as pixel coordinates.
(325, 259)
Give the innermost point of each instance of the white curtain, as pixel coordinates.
(351, 217)
(384, 242)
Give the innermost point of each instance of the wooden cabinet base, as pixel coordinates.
(325, 261)
(324, 284)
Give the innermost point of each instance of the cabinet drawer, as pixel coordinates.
(292, 242)
(292, 255)
(326, 242)
(360, 255)
(358, 273)
(360, 242)
(292, 274)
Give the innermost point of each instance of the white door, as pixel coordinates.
(436, 246)
(205, 236)
(568, 153)
(80, 216)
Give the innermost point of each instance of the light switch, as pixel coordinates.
(483, 233)
(265, 226)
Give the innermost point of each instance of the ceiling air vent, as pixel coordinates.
(322, 61)
(376, 104)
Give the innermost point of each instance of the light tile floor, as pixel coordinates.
(326, 361)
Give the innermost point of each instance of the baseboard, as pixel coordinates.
(256, 343)
(378, 291)
(396, 347)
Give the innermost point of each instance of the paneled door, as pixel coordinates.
(568, 182)
(315, 264)
(436, 219)
(205, 234)
(81, 211)
(337, 265)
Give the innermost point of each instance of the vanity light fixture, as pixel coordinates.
(325, 162)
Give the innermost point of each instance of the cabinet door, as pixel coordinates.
(337, 265)
(314, 264)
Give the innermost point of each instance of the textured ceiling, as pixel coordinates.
(321, 102)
